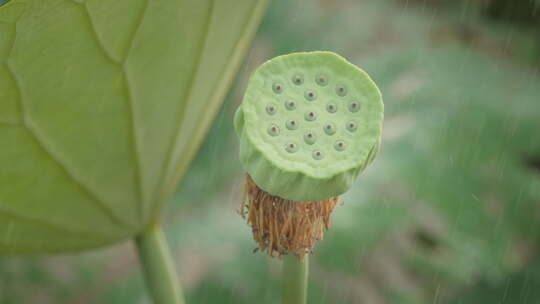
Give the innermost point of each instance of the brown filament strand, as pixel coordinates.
(282, 226)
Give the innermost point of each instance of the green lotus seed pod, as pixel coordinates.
(330, 97)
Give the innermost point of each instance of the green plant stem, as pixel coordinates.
(295, 275)
(159, 270)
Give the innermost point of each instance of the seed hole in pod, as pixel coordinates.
(271, 109)
(273, 130)
(321, 80)
(277, 87)
(310, 116)
(318, 155)
(341, 90)
(310, 138)
(291, 147)
(310, 95)
(331, 107)
(329, 128)
(291, 124)
(290, 105)
(351, 126)
(297, 79)
(354, 106)
(340, 145)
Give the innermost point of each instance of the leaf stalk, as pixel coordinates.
(158, 266)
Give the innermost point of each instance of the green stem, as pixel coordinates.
(295, 275)
(159, 270)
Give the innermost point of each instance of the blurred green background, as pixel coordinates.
(448, 213)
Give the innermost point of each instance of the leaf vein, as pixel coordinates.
(183, 103)
(71, 176)
(236, 55)
(96, 35)
(130, 99)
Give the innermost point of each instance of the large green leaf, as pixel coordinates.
(103, 104)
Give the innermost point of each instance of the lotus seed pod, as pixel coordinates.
(331, 117)
(311, 93)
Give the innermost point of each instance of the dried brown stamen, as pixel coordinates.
(282, 226)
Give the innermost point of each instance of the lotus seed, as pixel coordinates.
(341, 90)
(321, 80)
(318, 155)
(354, 106)
(351, 126)
(291, 147)
(340, 145)
(329, 128)
(271, 109)
(331, 107)
(298, 79)
(291, 125)
(310, 95)
(310, 116)
(277, 87)
(290, 105)
(273, 130)
(310, 138)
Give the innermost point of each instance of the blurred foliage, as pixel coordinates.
(520, 11)
(448, 213)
